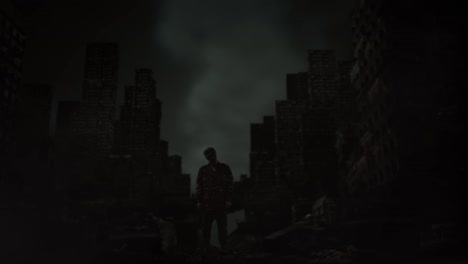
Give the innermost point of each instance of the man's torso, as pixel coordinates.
(214, 182)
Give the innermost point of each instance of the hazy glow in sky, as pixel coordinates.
(245, 52)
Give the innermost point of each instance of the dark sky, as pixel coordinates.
(219, 65)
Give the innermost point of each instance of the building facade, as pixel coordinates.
(262, 152)
(94, 125)
(140, 116)
(407, 77)
(323, 76)
(12, 43)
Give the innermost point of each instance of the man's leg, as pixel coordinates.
(221, 222)
(207, 221)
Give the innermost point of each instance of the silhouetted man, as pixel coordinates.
(214, 191)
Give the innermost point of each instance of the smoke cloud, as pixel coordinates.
(244, 51)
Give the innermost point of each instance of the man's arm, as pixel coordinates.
(199, 189)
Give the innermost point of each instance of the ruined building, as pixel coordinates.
(140, 117)
(94, 124)
(156, 178)
(262, 152)
(407, 74)
(12, 41)
(300, 157)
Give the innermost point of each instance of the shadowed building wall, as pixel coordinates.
(408, 74)
(94, 123)
(12, 41)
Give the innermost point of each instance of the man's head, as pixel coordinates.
(210, 155)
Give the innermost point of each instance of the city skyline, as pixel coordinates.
(185, 75)
(338, 127)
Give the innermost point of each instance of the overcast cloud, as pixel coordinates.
(219, 65)
(245, 52)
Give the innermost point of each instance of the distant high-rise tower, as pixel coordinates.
(12, 41)
(304, 128)
(138, 135)
(262, 151)
(289, 139)
(94, 122)
(323, 76)
(11, 60)
(138, 127)
(298, 86)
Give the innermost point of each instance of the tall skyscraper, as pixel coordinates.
(304, 125)
(12, 41)
(289, 139)
(139, 124)
(138, 138)
(297, 86)
(323, 76)
(409, 76)
(94, 123)
(262, 152)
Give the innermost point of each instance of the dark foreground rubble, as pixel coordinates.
(215, 255)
